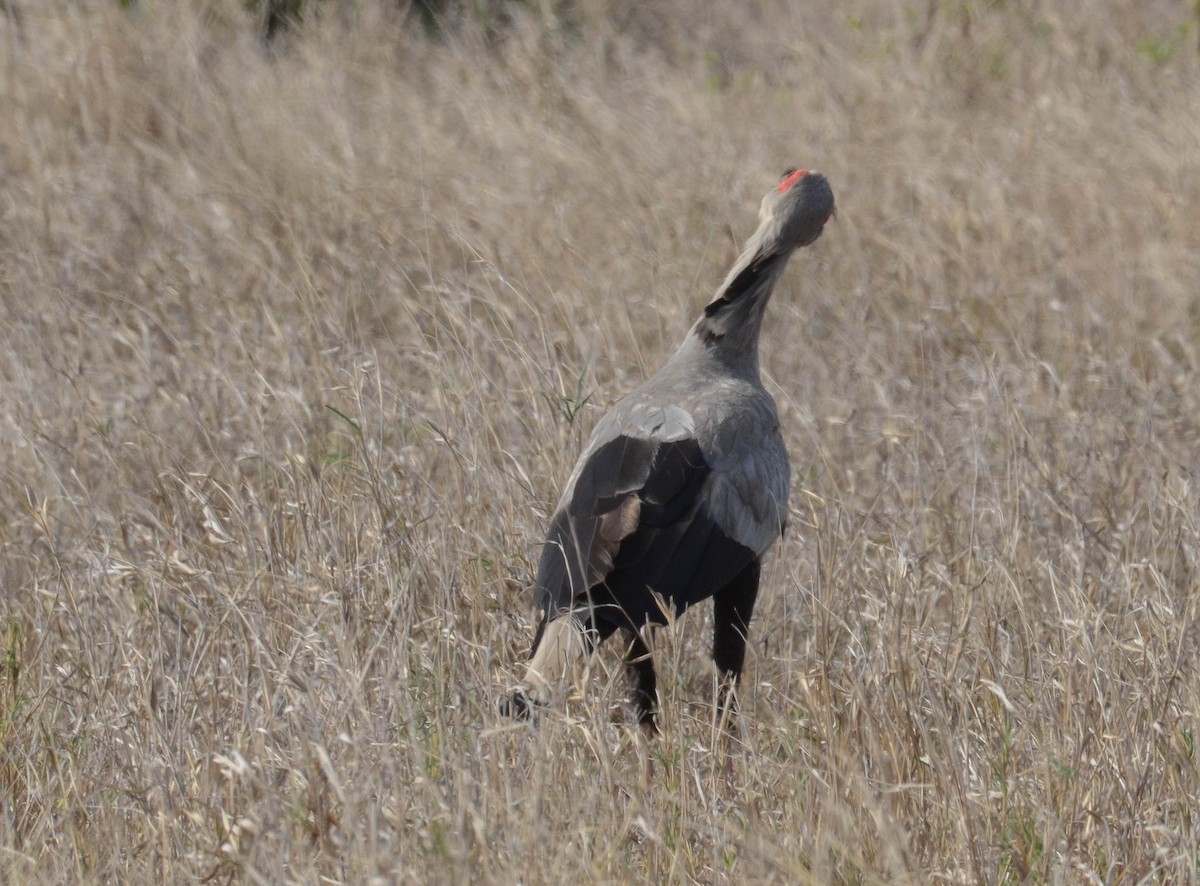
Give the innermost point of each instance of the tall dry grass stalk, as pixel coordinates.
(299, 345)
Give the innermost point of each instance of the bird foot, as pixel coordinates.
(649, 729)
(519, 705)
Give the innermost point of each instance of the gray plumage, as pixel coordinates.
(683, 485)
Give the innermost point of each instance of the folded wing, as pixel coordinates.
(636, 527)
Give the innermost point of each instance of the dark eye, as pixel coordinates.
(787, 172)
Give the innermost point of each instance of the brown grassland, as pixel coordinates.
(300, 343)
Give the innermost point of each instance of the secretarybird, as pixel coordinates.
(682, 488)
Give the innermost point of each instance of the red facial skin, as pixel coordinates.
(791, 178)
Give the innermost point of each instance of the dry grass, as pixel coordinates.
(299, 346)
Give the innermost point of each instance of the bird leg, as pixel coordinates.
(564, 644)
(733, 606)
(561, 645)
(640, 665)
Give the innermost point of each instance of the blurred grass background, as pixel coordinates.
(307, 307)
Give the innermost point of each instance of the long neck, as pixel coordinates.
(728, 330)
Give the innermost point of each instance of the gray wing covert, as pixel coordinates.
(634, 524)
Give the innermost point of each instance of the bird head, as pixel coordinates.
(794, 213)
